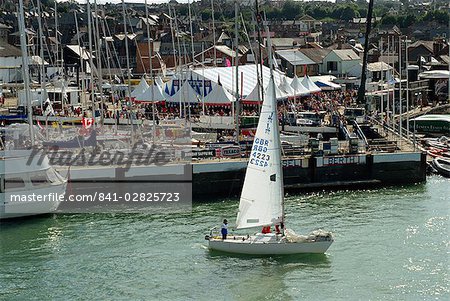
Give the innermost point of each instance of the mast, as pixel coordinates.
(99, 63)
(25, 70)
(91, 61)
(192, 33)
(400, 130)
(387, 80)
(236, 53)
(130, 115)
(41, 53)
(382, 87)
(56, 38)
(214, 32)
(362, 86)
(173, 38)
(260, 79)
(277, 142)
(150, 53)
(393, 85)
(83, 90)
(407, 86)
(254, 55)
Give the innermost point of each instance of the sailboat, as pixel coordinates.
(262, 199)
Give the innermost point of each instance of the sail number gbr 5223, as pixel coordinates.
(259, 156)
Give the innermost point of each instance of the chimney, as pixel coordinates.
(438, 45)
(340, 38)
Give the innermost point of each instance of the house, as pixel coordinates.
(294, 62)
(420, 49)
(10, 62)
(286, 43)
(316, 55)
(151, 22)
(4, 32)
(77, 56)
(375, 71)
(225, 56)
(288, 28)
(312, 25)
(119, 44)
(339, 61)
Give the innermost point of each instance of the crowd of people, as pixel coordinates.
(319, 102)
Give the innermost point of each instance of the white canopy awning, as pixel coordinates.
(254, 95)
(186, 94)
(298, 87)
(247, 76)
(219, 95)
(140, 88)
(286, 88)
(152, 94)
(310, 85)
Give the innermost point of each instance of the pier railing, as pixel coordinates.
(404, 141)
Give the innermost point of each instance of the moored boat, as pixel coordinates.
(442, 166)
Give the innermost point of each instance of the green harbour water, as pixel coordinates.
(390, 244)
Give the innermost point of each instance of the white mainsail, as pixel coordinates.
(261, 202)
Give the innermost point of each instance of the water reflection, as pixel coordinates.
(271, 275)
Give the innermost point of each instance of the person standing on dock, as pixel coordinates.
(224, 229)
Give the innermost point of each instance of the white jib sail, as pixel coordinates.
(261, 201)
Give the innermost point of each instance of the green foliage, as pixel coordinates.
(410, 19)
(438, 16)
(291, 9)
(389, 20)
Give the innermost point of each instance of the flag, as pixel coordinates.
(161, 63)
(218, 80)
(390, 79)
(275, 63)
(39, 125)
(87, 122)
(434, 61)
(48, 108)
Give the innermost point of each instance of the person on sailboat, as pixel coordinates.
(279, 228)
(266, 230)
(224, 229)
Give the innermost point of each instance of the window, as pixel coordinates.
(332, 66)
(39, 178)
(52, 176)
(14, 183)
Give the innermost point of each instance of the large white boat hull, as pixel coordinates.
(28, 184)
(16, 209)
(267, 244)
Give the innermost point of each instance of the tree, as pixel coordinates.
(389, 20)
(348, 13)
(290, 9)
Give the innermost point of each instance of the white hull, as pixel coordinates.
(16, 209)
(267, 244)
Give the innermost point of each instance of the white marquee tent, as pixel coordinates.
(186, 94)
(152, 94)
(310, 85)
(247, 74)
(219, 95)
(140, 88)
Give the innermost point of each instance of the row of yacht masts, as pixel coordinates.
(130, 115)
(236, 54)
(152, 79)
(25, 69)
